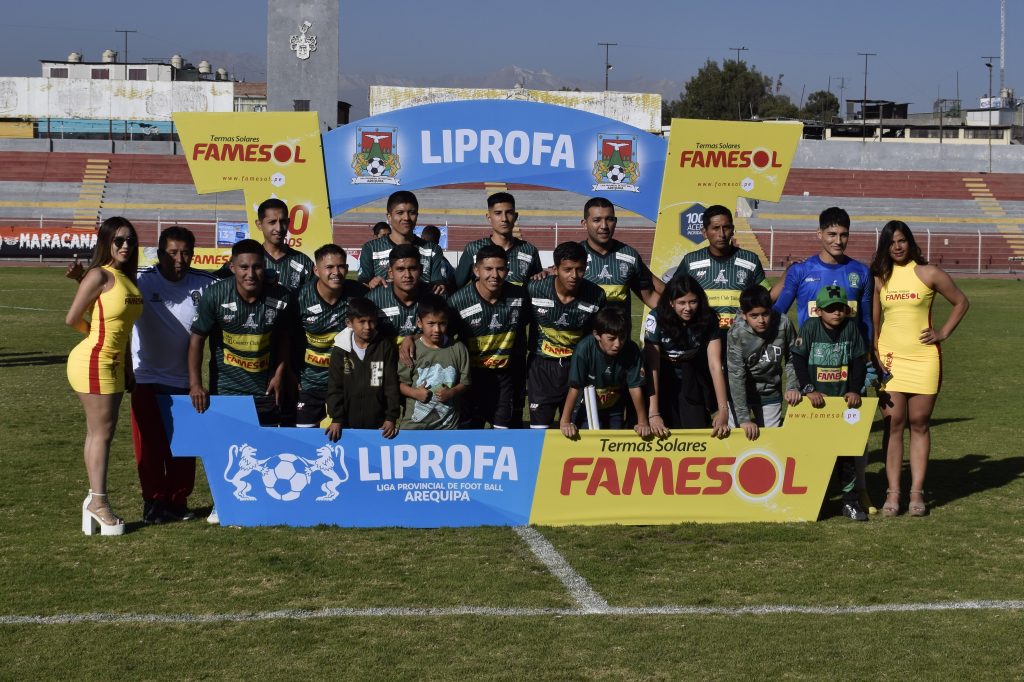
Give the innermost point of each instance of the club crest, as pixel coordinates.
(376, 161)
(616, 168)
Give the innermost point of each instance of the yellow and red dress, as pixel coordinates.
(96, 365)
(907, 311)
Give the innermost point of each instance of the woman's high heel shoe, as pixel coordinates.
(892, 506)
(101, 518)
(917, 508)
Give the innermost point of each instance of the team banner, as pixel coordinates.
(427, 479)
(296, 477)
(716, 162)
(265, 155)
(510, 141)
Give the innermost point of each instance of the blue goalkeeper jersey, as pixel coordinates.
(804, 280)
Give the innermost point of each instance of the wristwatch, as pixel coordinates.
(809, 388)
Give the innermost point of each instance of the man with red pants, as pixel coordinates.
(171, 292)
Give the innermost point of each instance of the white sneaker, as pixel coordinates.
(213, 518)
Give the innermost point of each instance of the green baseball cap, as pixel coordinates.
(830, 295)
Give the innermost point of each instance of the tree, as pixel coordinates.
(779, 106)
(821, 105)
(730, 92)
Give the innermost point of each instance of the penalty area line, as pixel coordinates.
(447, 612)
(578, 587)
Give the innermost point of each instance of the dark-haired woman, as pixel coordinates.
(907, 347)
(683, 355)
(105, 308)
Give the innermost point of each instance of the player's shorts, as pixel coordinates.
(489, 399)
(547, 385)
(311, 408)
(269, 413)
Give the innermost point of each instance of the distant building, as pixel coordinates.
(948, 123)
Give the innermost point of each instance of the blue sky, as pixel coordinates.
(921, 45)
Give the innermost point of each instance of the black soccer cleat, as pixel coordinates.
(854, 512)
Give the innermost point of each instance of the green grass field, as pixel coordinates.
(242, 580)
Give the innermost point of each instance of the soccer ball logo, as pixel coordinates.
(285, 477)
(616, 174)
(376, 167)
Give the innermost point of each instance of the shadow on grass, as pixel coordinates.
(953, 479)
(879, 424)
(31, 359)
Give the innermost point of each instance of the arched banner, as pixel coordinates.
(491, 140)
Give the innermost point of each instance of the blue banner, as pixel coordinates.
(424, 479)
(494, 140)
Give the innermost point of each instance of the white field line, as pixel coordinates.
(400, 612)
(578, 587)
(42, 310)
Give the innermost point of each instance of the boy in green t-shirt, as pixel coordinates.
(612, 363)
(829, 360)
(440, 372)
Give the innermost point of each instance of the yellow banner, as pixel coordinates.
(265, 155)
(617, 477)
(716, 162)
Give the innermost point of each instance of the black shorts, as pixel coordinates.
(489, 399)
(270, 414)
(547, 385)
(311, 408)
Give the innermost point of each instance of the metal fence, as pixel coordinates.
(963, 251)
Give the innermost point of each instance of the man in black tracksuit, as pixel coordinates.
(362, 387)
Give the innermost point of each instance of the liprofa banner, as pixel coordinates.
(485, 140)
(427, 479)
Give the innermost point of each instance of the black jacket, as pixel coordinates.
(363, 394)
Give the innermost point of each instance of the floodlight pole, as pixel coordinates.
(125, 32)
(988, 63)
(864, 104)
(607, 65)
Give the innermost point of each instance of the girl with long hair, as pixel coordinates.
(99, 368)
(683, 355)
(907, 349)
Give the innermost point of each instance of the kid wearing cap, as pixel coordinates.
(829, 359)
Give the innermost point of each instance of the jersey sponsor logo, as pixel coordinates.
(562, 321)
(543, 303)
(744, 263)
(296, 265)
(258, 364)
(275, 303)
(515, 302)
(626, 257)
(475, 322)
(698, 264)
(390, 312)
(325, 340)
(554, 350)
(426, 252)
(604, 274)
(831, 374)
(525, 257)
(471, 310)
(901, 295)
(229, 306)
(381, 255)
(247, 342)
(316, 309)
(317, 359)
(720, 278)
(493, 362)
(587, 307)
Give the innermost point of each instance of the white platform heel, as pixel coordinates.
(103, 519)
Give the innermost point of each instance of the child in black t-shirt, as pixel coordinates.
(610, 362)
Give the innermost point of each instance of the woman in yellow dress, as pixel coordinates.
(98, 366)
(907, 349)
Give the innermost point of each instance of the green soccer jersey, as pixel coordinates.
(618, 272)
(242, 335)
(321, 322)
(610, 375)
(523, 261)
(723, 279)
(489, 331)
(292, 270)
(373, 260)
(396, 320)
(828, 360)
(557, 327)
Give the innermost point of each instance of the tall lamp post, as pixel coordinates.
(989, 65)
(864, 106)
(607, 66)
